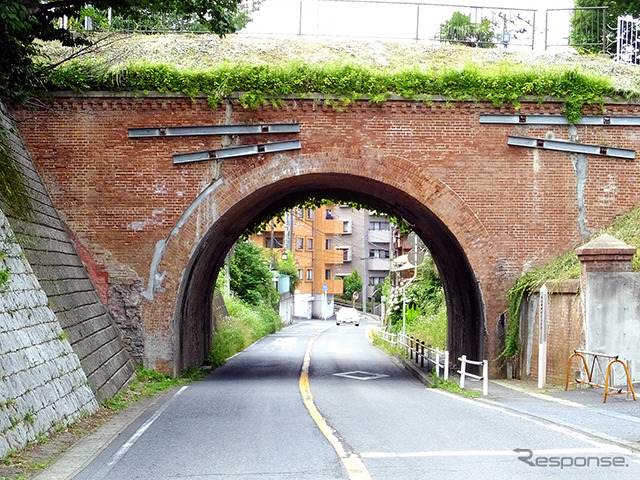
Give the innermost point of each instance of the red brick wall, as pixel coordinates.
(481, 204)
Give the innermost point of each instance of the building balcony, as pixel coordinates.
(331, 257)
(381, 264)
(330, 226)
(334, 287)
(379, 236)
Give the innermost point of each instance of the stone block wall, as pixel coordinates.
(42, 383)
(63, 275)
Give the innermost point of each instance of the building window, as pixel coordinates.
(273, 242)
(346, 226)
(378, 225)
(301, 274)
(309, 243)
(309, 274)
(327, 274)
(300, 212)
(378, 253)
(346, 254)
(327, 244)
(300, 243)
(309, 213)
(375, 280)
(329, 214)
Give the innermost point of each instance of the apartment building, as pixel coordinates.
(367, 244)
(312, 237)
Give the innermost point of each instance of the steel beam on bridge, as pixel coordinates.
(214, 130)
(236, 151)
(571, 147)
(546, 119)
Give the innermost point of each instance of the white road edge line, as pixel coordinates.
(487, 453)
(134, 438)
(548, 425)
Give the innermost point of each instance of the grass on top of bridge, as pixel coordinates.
(343, 78)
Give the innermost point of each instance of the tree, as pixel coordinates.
(249, 275)
(586, 25)
(288, 266)
(460, 29)
(352, 283)
(22, 22)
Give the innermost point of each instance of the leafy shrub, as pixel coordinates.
(245, 325)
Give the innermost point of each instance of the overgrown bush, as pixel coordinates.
(245, 324)
(250, 276)
(426, 312)
(263, 84)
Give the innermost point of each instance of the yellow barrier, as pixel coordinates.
(589, 372)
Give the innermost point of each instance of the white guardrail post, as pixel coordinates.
(485, 373)
(485, 377)
(446, 364)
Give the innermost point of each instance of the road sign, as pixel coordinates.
(324, 287)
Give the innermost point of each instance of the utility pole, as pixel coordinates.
(365, 259)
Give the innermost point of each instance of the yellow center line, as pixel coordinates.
(352, 462)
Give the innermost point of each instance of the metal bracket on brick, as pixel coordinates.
(236, 151)
(214, 130)
(546, 119)
(571, 147)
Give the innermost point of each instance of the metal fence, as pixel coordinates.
(419, 352)
(404, 20)
(480, 26)
(628, 40)
(588, 28)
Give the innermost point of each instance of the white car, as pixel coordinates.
(348, 315)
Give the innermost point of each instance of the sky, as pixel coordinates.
(402, 19)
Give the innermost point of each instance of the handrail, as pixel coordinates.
(418, 350)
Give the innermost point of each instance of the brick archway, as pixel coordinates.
(451, 231)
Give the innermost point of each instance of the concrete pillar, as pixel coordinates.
(605, 254)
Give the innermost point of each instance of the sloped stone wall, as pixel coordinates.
(63, 275)
(42, 383)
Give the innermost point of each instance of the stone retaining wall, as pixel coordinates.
(63, 276)
(42, 384)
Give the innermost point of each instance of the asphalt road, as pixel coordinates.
(317, 401)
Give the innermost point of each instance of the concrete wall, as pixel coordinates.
(42, 383)
(64, 277)
(613, 316)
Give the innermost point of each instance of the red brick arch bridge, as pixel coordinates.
(490, 190)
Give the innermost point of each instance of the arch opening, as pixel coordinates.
(465, 308)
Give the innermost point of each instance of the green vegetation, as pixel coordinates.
(342, 83)
(147, 384)
(586, 25)
(287, 266)
(625, 228)
(5, 273)
(426, 312)
(250, 303)
(25, 22)
(453, 387)
(251, 278)
(245, 325)
(13, 194)
(351, 284)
